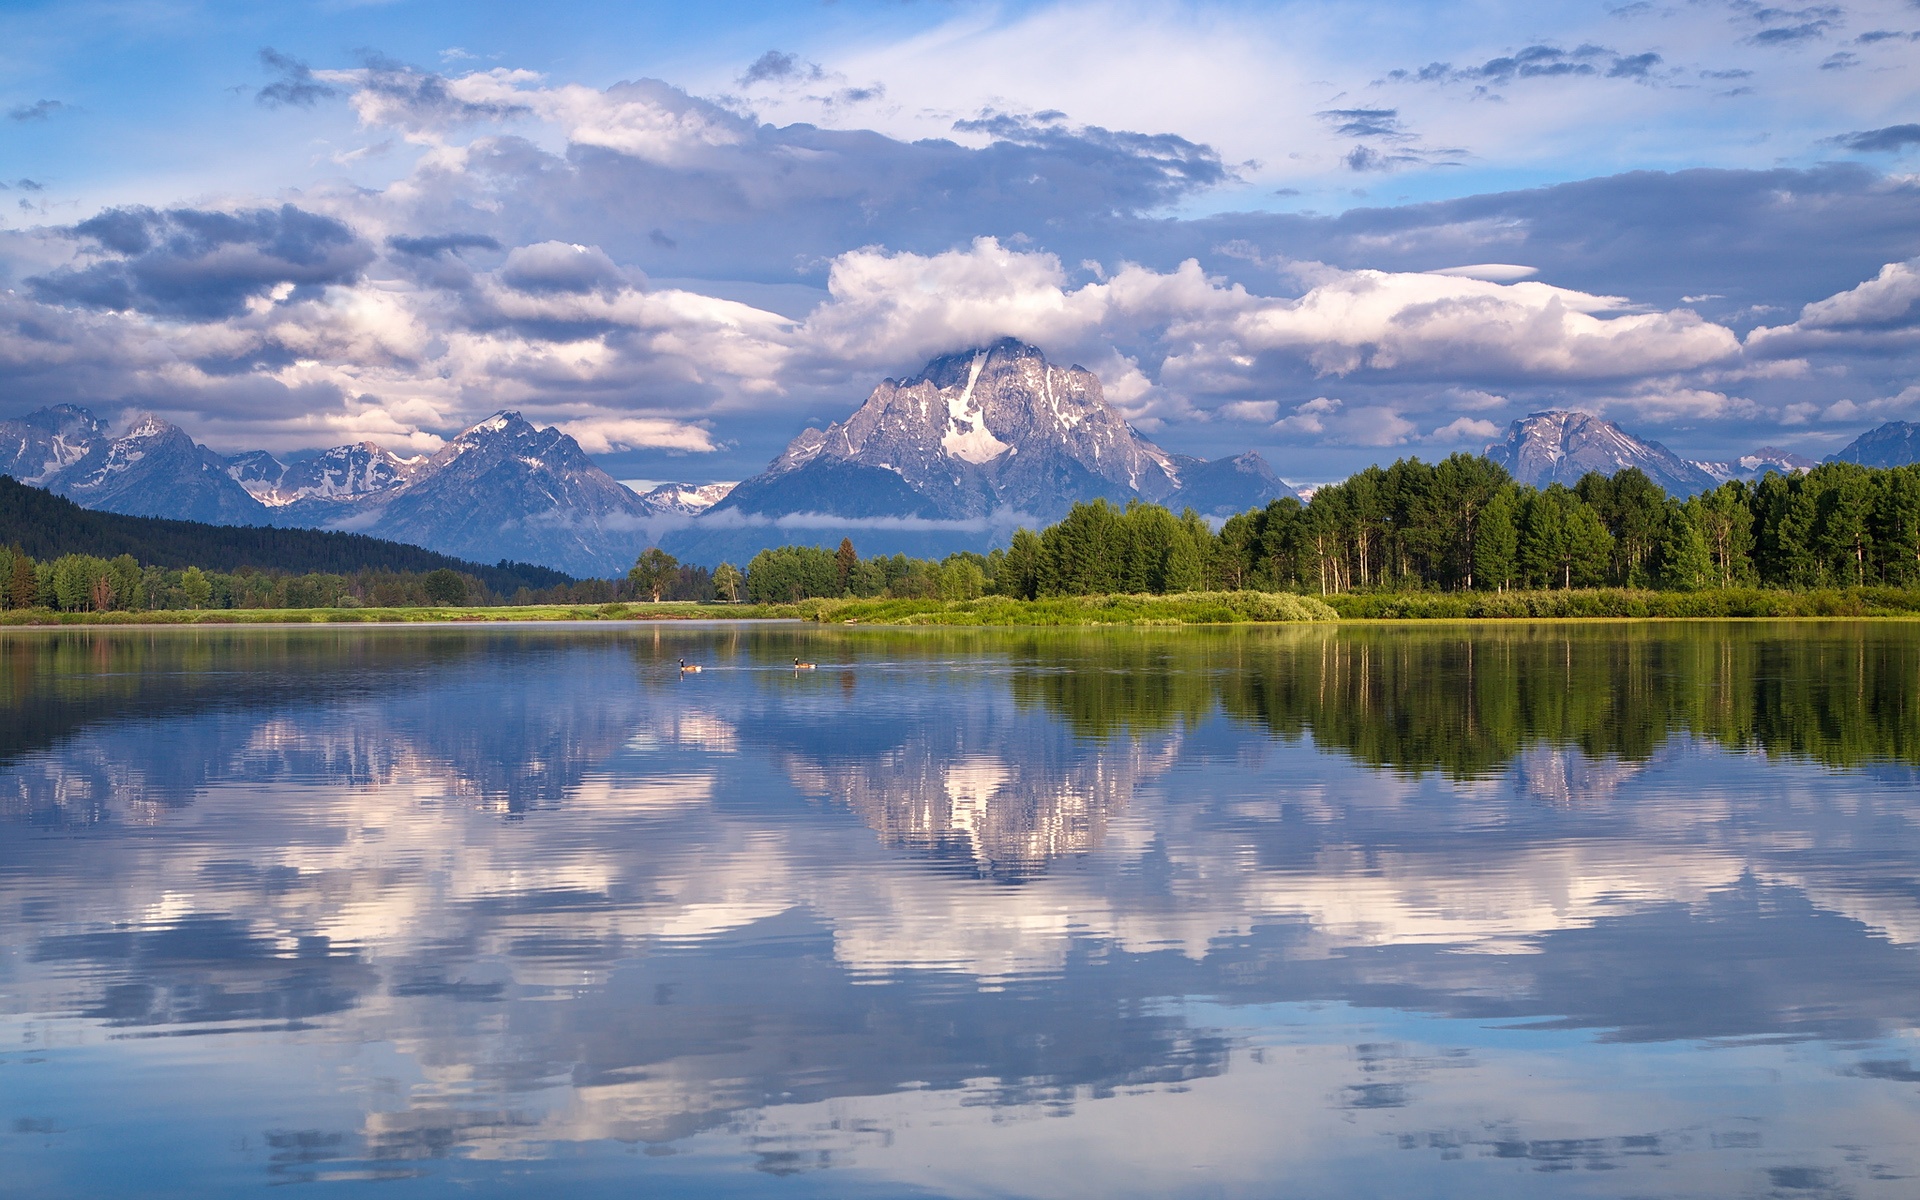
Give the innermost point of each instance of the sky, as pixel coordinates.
(1336, 233)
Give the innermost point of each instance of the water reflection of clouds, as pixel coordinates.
(582, 909)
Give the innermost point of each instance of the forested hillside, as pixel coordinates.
(45, 527)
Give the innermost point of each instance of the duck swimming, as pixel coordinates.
(687, 668)
(804, 666)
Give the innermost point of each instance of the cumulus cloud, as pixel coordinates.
(1465, 431)
(202, 264)
(387, 92)
(561, 267)
(1881, 312)
(1263, 411)
(1886, 299)
(897, 305)
(1433, 324)
(603, 435)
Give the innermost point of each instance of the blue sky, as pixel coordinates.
(684, 232)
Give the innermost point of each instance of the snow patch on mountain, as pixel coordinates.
(683, 499)
(1754, 465)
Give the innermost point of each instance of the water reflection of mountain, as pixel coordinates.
(1003, 804)
(583, 899)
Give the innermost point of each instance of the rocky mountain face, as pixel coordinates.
(38, 447)
(1894, 444)
(1559, 447)
(504, 489)
(314, 491)
(1749, 467)
(153, 470)
(989, 430)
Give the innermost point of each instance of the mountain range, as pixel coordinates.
(502, 489)
(951, 458)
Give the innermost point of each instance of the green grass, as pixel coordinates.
(1624, 602)
(380, 616)
(1191, 608)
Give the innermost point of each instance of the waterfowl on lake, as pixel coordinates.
(804, 666)
(687, 668)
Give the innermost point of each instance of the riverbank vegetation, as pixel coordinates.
(1452, 540)
(615, 611)
(1188, 608)
(1459, 528)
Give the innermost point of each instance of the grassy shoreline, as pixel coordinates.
(1193, 608)
(668, 611)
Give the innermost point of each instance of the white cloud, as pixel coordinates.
(893, 306)
(1490, 272)
(1464, 430)
(1264, 411)
(1886, 298)
(1381, 321)
(602, 435)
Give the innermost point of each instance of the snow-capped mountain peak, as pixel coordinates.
(685, 499)
(988, 429)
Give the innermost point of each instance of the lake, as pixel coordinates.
(1556, 910)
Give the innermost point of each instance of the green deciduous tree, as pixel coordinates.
(442, 587)
(651, 572)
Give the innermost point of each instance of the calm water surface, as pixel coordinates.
(1604, 910)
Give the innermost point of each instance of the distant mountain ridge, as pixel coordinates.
(47, 526)
(686, 499)
(501, 489)
(1557, 446)
(1895, 444)
(1751, 466)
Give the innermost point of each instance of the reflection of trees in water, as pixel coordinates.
(1468, 700)
(170, 714)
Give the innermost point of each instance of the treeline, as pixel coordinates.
(1463, 525)
(1460, 525)
(1097, 549)
(47, 527)
(87, 583)
(783, 574)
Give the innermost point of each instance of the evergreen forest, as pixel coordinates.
(1460, 525)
